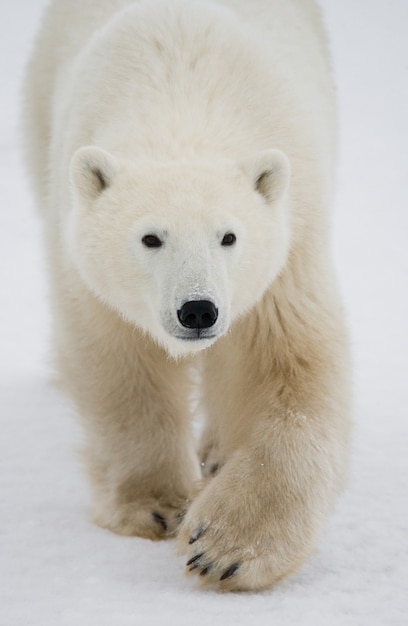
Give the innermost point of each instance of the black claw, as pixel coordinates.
(230, 571)
(193, 567)
(204, 571)
(194, 558)
(180, 516)
(160, 520)
(196, 537)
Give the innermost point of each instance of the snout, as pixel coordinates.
(194, 324)
(198, 314)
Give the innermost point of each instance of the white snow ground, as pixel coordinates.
(55, 567)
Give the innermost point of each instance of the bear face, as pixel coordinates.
(179, 249)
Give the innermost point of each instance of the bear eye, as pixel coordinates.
(152, 241)
(229, 239)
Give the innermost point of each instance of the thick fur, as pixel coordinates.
(189, 121)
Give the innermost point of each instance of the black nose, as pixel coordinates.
(198, 314)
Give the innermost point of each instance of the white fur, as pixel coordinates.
(188, 121)
(148, 286)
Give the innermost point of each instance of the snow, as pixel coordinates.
(55, 567)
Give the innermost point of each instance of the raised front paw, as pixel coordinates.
(238, 537)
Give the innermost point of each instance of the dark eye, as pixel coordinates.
(228, 240)
(152, 241)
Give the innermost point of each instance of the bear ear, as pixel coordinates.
(92, 171)
(269, 173)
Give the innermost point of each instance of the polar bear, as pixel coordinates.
(182, 154)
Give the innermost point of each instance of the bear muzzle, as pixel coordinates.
(197, 316)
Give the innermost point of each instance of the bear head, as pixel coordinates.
(180, 249)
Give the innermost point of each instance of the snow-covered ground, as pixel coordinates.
(56, 569)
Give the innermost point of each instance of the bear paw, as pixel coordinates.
(234, 540)
(149, 518)
(211, 461)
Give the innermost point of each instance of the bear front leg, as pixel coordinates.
(133, 403)
(278, 404)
